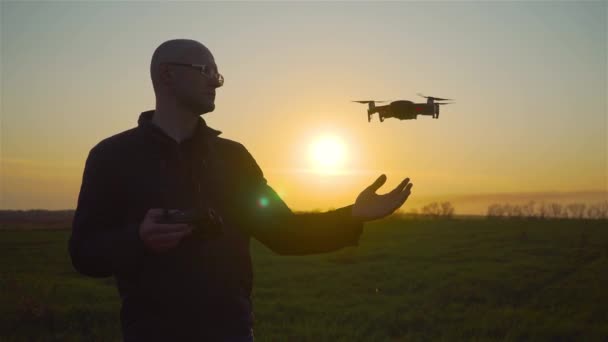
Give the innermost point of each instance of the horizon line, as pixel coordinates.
(447, 197)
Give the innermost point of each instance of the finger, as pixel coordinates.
(377, 184)
(400, 198)
(392, 206)
(396, 204)
(155, 212)
(163, 247)
(167, 237)
(401, 186)
(165, 228)
(165, 244)
(408, 188)
(403, 198)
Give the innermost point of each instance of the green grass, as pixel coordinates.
(407, 280)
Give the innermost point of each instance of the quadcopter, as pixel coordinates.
(405, 110)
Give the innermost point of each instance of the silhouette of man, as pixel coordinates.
(175, 283)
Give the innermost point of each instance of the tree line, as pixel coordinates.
(435, 210)
(531, 209)
(544, 210)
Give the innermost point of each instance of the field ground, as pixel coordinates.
(408, 280)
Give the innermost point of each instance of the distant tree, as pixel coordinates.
(512, 211)
(556, 210)
(507, 210)
(516, 211)
(431, 209)
(435, 209)
(447, 210)
(527, 209)
(542, 210)
(598, 210)
(576, 210)
(494, 210)
(603, 208)
(593, 212)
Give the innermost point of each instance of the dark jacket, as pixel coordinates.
(202, 287)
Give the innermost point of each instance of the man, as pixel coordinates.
(176, 282)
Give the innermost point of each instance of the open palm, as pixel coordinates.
(370, 206)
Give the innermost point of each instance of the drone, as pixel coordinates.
(405, 110)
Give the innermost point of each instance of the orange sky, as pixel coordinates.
(530, 112)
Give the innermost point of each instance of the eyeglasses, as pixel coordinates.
(205, 70)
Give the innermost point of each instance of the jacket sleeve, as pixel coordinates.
(101, 243)
(271, 222)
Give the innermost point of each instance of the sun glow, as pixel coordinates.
(328, 154)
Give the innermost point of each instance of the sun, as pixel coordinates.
(328, 154)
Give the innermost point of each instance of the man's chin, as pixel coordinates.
(206, 108)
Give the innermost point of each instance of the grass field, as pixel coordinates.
(408, 280)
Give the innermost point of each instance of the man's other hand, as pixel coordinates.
(370, 206)
(160, 237)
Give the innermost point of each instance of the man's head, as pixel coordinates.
(183, 71)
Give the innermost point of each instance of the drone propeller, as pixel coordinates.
(444, 103)
(435, 98)
(370, 101)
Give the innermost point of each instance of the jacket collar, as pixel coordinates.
(201, 132)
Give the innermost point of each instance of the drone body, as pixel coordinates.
(405, 110)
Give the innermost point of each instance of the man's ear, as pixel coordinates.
(166, 75)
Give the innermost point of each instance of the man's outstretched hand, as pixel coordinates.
(370, 206)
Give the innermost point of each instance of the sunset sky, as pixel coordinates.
(529, 80)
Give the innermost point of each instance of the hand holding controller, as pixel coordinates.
(206, 224)
(160, 236)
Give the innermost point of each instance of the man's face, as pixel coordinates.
(193, 89)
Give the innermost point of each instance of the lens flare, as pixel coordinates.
(263, 202)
